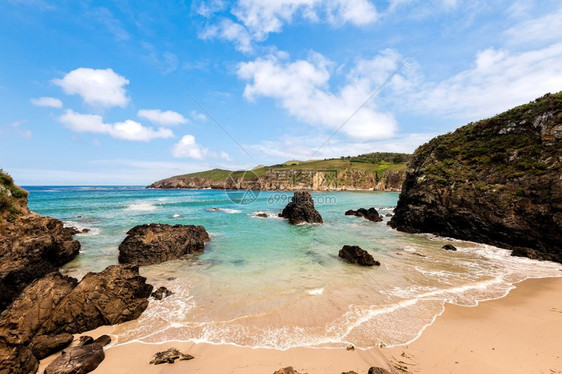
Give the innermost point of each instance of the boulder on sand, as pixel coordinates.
(355, 255)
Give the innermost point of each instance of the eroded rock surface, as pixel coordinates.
(301, 209)
(155, 243)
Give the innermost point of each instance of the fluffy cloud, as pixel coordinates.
(50, 102)
(258, 18)
(187, 147)
(97, 87)
(302, 88)
(127, 130)
(498, 80)
(166, 118)
(543, 29)
(230, 31)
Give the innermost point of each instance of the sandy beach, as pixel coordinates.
(520, 333)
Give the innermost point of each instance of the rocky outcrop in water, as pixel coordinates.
(301, 209)
(155, 243)
(56, 304)
(161, 293)
(355, 255)
(371, 214)
(496, 181)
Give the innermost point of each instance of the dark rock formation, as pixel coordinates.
(262, 215)
(103, 340)
(161, 293)
(169, 357)
(287, 370)
(371, 214)
(301, 209)
(355, 255)
(57, 304)
(496, 181)
(377, 370)
(156, 243)
(77, 360)
(30, 247)
(45, 345)
(348, 372)
(449, 247)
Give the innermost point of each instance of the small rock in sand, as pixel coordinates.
(169, 357)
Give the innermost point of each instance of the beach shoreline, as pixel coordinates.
(504, 335)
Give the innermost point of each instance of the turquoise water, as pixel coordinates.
(264, 283)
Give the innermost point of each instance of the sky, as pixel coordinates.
(129, 92)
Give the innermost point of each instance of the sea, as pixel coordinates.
(263, 282)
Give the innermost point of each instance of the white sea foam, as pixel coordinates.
(316, 291)
(175, 215)
(141, 207)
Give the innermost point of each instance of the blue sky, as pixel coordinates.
(128, 92)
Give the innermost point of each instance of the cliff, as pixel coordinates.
(496, 181)
(375, 171)
(31, 245)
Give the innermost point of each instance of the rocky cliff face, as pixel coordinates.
(295, 180)
(496, 181)
(31, 245)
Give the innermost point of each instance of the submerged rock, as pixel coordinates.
(496, 181)
(45, 345)
(155, 243)
(161, 293)
(301, 209)
(77, 360)
(449, 247)
(371, 214)
(169, 357)
(355, 255)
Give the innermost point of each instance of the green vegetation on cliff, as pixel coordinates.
(368, 171)
(12, 198)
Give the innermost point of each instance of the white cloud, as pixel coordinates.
(258, 18)
(50, 102)
(127, 130)
(498, 80)
(197, 116)
(188, 148)
(543, 29)
(303, 147)
(208, 8)
(302, 88)
(97, 87)
(230, 31)
(163, 118)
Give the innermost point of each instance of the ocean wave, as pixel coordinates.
(141, 207)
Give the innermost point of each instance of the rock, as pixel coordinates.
(169, 357)
(301, 209)
(377, 370)
(156, 243)
(45, 345)
(85, 231)
(77, 360)
(57, 304)
(115, 295)
(449, 247)
(84, 340)
(262, 215)
(161, 293)
(388, 215)
(355, 255)
(287, 370)
(348, 372)
(103, 340)
(31, 247)
(496, 181)
(371, 214)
